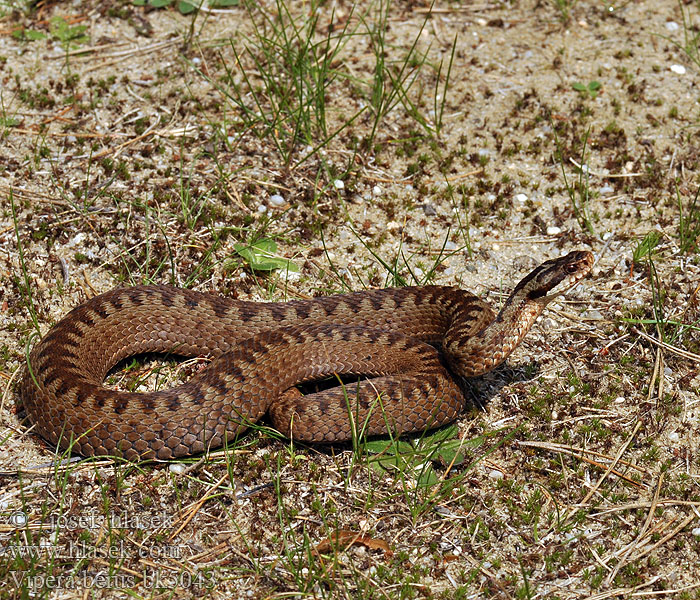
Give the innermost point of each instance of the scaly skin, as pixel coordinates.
(262, 350)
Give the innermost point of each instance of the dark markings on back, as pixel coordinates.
(303, 309)
(122, 403)
(246, 311)
(116, 302)
(278, 311)
(100, 398)
(377, 301)
(100, 309)
(63, 388)
(167, 298)
(219, 307)
(297, 335)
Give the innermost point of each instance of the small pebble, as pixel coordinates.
(678, 69)
(607, 235)
(607, 189)
(619, 400)
(376, 190)
(521, 197)
(339, 184)
(429, 210)
(450, 246)
(177, 468)
(594, 315)
(495, 474)
(696, 532)
(262, 209)
(276, 200)
(672, 26)
(553, 230)
(77, 239)
(673, 436)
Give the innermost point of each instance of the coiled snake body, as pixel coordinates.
(262, 350)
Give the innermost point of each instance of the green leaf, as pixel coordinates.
(34, 35)
(262, 256)
(160, 3)
(9, 121)
(428, 477)
(387, 447)
(186, 8)
(646, 246)
(579, 87)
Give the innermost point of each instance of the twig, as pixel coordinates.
(669, 347)
(642, 532)
(604, 175)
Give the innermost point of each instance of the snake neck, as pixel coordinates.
(476, 354)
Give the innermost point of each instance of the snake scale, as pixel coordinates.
(410, 345)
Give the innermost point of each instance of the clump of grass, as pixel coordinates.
(579, 192)
(688, 223)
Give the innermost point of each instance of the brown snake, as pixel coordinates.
(262, 350)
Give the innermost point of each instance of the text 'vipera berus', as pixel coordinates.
(390, 337)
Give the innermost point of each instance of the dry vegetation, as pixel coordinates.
(371, 144)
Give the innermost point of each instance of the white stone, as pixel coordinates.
(262, 209)
(521, 197)
(177, 468)
(672, 26)
(77, 239)
(339, 184)
(553, 230)
(619, 400)
(673, 436)
(495, 474)
(276, 200)
(678, 69)
(376, 190)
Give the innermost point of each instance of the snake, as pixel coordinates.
(405, 351)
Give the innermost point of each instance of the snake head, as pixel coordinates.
(553, 277)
